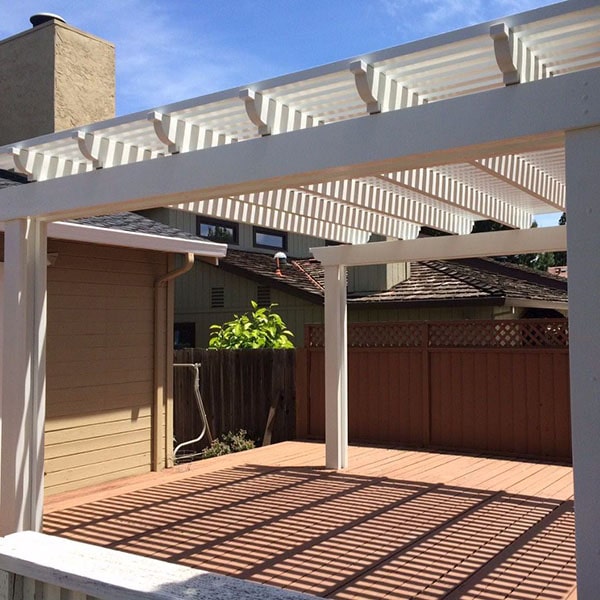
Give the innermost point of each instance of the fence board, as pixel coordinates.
(238, 387)
(479, 386)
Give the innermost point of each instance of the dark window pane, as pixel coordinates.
(217, 231)
(264, 238)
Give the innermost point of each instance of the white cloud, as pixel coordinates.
(426, 17)
(169, 50)
(161, 58)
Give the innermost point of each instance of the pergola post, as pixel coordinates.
(583, 244)
(336, 368)
(22, 403)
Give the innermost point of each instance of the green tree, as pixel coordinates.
(560, 258)
(259, 328)
(541, 261)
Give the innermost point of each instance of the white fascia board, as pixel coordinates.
(531, 303)
(503, 121)
(132, 239)
(496, 243)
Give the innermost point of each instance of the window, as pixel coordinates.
(269, 238)
(217, 297)
(263, 296)
(225, 232)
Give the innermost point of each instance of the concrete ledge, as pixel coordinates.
(115, 575)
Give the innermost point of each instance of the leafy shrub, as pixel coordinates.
(260, 328)
(228, 443)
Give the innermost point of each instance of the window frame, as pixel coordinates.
(235, 228)
(274, 232)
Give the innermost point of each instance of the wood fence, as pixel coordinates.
(241, 389)
(497, 387)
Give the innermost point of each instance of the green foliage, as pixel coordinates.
(259, 328)
(228, 443)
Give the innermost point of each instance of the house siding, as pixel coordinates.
(100, 365)
(193, 305)
(298, 245)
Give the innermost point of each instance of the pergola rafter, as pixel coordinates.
(451, 190)
(185, 135)
(256, 210)
(271, 116)
(379, 91)
(106, 152)
(369, 194)
(40, 166)
(526, 177)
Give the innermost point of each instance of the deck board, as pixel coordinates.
(396, 524)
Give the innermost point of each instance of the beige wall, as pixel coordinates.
(85, 78)
(100, 371)
(54, 77)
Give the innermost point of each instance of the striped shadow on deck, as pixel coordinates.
(340, 535)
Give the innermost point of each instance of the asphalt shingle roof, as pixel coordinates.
(470, 280)
(128, 221)
(474, 280)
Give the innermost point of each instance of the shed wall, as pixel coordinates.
(100, 371)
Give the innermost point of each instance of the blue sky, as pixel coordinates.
(170, 50)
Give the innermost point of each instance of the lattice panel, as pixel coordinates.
(534, 333)
(374, 335)
(500, 334)
(314, 337)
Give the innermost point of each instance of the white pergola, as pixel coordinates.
(497, 121)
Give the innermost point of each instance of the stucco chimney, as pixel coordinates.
(54, 77)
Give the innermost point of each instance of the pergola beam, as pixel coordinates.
(479, 125)
(495, 243)
(335, 260)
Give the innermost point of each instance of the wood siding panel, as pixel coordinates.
(100, 363)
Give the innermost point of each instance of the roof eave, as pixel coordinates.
(132, 239)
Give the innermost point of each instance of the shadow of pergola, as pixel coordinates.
(341, 535)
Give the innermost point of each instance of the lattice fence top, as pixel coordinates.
(500, 334)
(538, 333)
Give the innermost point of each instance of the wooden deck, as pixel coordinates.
(396, 524)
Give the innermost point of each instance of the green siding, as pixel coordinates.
(193, 296)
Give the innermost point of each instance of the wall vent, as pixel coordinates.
(217, 297)
(263, 295)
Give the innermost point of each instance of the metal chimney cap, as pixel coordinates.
(41, 18)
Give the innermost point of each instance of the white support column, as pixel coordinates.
(22, 405)
(583, 183)
(336, 368)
